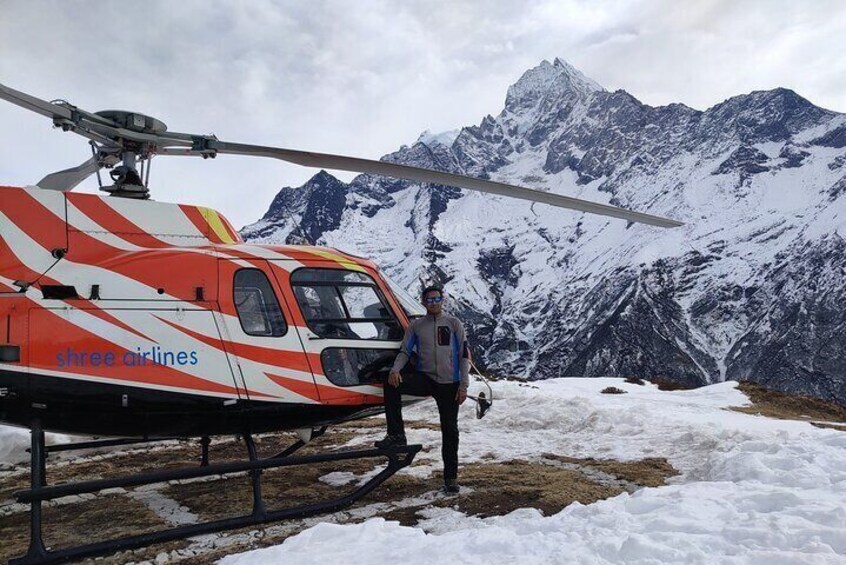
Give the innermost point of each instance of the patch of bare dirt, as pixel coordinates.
(649, 472)
(490, 488)
(378, 422)
(12, 484)
(838, 427)
(101, 518)
(500, 488)
(281, 488)
(667, 385)
(364, 424)
(774, 404)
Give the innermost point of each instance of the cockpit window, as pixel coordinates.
(344, 305)
(257, 306)
(412, 307)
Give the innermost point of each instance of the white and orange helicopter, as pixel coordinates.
(125, 317)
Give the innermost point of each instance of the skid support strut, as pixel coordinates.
(255, 478)
(300, 443)
(37, 464)
(204, 451)
(397, 458)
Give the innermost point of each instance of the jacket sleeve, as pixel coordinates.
(409, 342)
(464, 356)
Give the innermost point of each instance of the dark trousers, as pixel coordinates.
(417, 384)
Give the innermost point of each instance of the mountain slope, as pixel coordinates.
(748, 288)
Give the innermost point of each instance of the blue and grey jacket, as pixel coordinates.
(441, 346)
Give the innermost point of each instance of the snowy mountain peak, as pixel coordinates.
(767, 115)
(444, 138)
(321, 178)
(549, 81)
(575, 75)
(748, 289)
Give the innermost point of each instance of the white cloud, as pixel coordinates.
(364, 77)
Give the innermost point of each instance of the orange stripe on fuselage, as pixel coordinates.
(34, 219)
(28, 213)
(312, 391)
(12, 266)
(150, 374)
(303, 388)
(113, 222)
(144, 267)
(7, 257)
(294, 360)
(227, 254)
(90, 307)
(309, 259)
(196, 218)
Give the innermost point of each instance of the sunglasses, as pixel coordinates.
(433, 300)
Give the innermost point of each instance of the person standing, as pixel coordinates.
(442, 368)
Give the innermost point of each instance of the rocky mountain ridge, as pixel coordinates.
(750, 288)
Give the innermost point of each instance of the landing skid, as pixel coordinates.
(397, 457)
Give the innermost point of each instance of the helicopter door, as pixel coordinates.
(127, 356)
(351, 333)
(263, 344)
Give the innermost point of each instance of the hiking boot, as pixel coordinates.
(390, 441)
(451, 486)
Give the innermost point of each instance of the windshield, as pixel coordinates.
(412, 307)
(342, 304)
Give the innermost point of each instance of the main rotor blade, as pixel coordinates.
(34, 104)
(356, 165)
(108, 132)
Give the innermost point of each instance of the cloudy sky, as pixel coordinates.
(364, 77)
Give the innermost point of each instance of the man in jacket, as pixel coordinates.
(442, 371)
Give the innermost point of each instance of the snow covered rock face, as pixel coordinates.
(306, 213)
(751, 287)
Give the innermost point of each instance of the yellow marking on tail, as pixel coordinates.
(216, 224)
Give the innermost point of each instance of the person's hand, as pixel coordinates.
(461, 396)
(394, 379)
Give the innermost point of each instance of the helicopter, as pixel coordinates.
(128, 318)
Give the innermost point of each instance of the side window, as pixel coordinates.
(256, 304)
(353, 367)
(344, 305)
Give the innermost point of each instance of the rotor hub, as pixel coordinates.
(134, 121)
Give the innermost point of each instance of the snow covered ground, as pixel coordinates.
(13, 445)
(15, 441)
(751, 489)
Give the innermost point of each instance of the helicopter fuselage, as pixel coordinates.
(137, 318)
